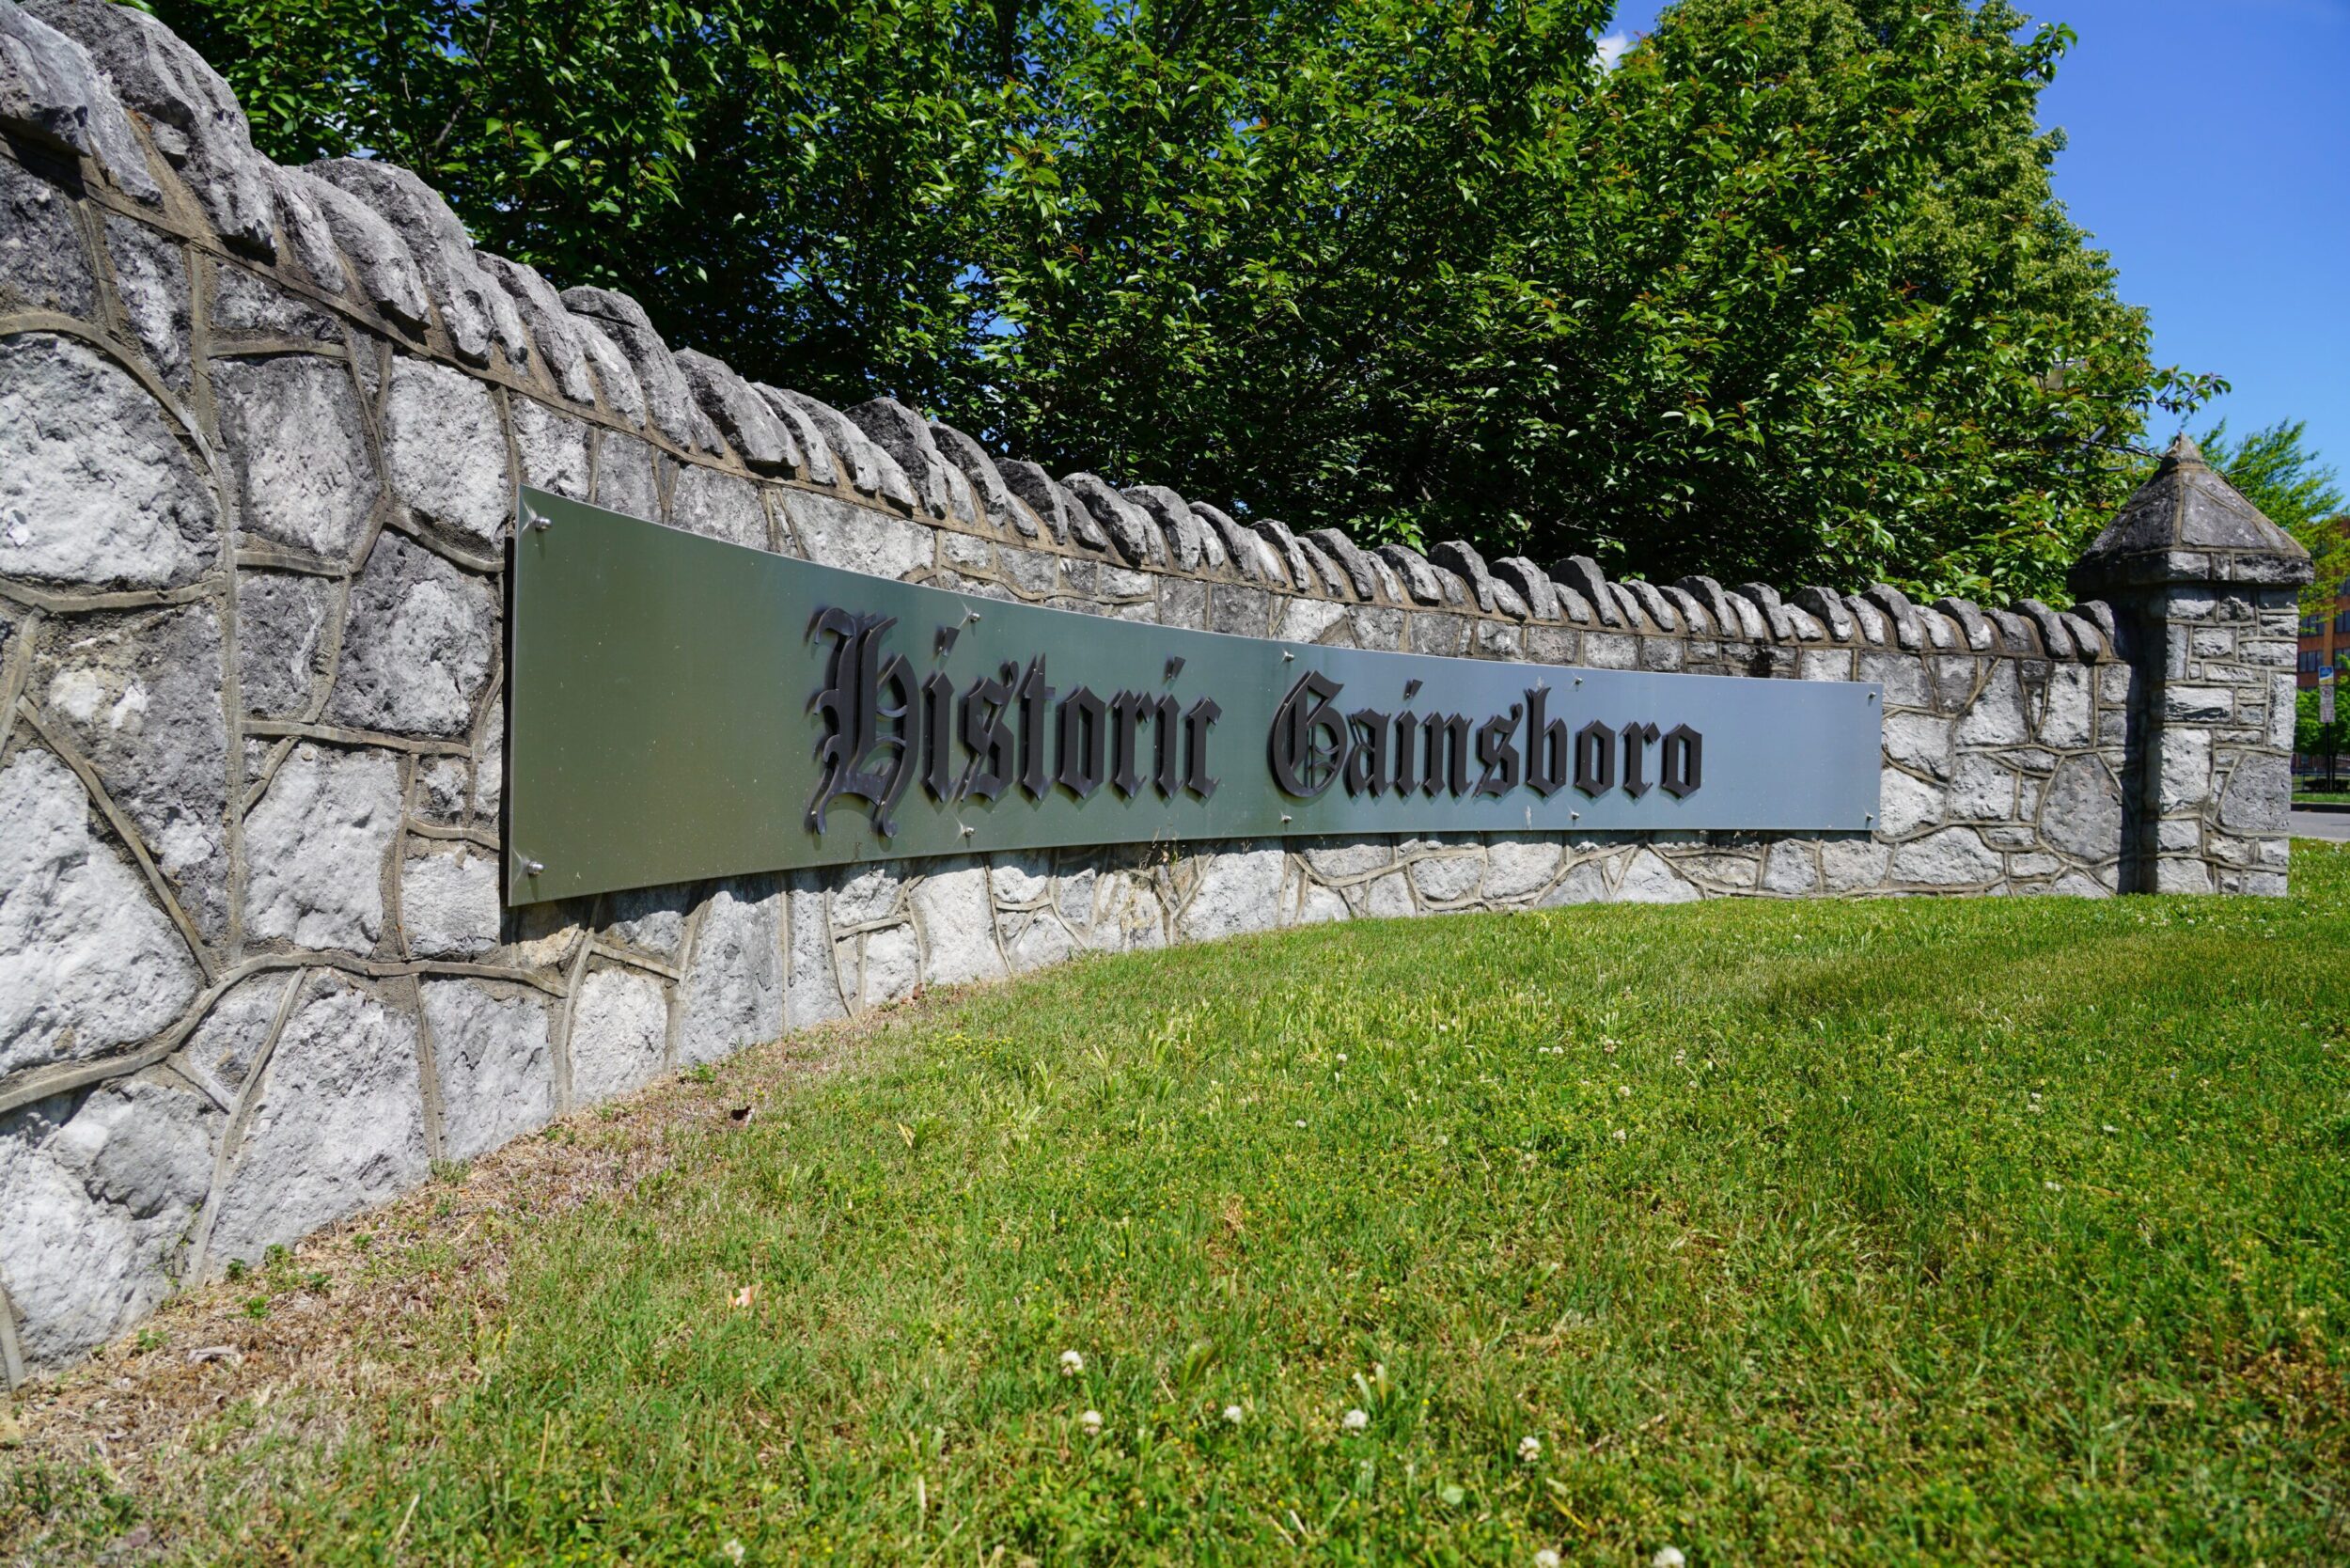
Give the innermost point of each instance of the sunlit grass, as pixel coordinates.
(1992, 1230)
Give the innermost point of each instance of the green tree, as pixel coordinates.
(2275, 469)
(1786, 295)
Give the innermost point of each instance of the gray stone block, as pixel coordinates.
(718, 505)
(139, 695)
(1312, 620)
(552, 328)
(1516, 868)
(619, 1033)
(418, 644)
(1127, 527)
(1046, 496)
(626, 481)
(1919, 740)
(1648, 878)
(939, 487)
(315, 849)
(834, 532)
(2183, 771)
(749, 426)
(1250, 556)
(1447, 878)
(191, 114)
(489, 1051)
(952, 906)
(811, 987)
(53, 91)
(2259, 796)
(668, 401)
(1789, 868)
(623, 394)
(98, 1190)
(870, 470)
(2081, 813)
(1356, 574)
(1239, 890)
(1190, 544)
(297, 448)
(388, 275)
(1954, 857)
(88, 962)
(448, 901)
(650, 919)
(445, 450)
(475, 309)
(151, 282)
(1854, 865)
(96, 489)
(337, 1125)
(1412, 568)
(250, 306)
(2067, 719)
(44, 262)
(442, 784)
(892, 964)
(996, 502)
(732, 995)
(552, 448)
(1906, 802)
(223, 1048)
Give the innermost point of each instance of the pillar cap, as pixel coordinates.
(2188, 525)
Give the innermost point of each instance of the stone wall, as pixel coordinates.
(259, 434)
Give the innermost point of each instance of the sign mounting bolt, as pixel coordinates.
(532, 868)
(532, 520)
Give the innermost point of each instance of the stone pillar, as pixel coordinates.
(2204, 594)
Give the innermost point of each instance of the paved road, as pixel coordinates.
(2322, 824)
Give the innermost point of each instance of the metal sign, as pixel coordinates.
(2325, 697)
(683, 707)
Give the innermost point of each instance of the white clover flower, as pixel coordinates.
(1071, 1363)
(1529, 1450)
(1669, 1557)
(1091, 1422)
(733, 1550)
(1355, 1419)
(1546, 1558)
(2052, 1186)
(1234, 1414)
(1621, 1135)
(1300, 1125)
(1342, 1057)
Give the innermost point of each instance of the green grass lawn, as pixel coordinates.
(1991, 1231)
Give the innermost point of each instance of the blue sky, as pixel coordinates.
(2209, 151)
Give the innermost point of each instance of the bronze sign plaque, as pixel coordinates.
(680, 708)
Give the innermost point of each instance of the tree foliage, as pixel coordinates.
(2276, 470)
(1786, 295)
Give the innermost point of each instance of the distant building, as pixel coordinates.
(2325, 638)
